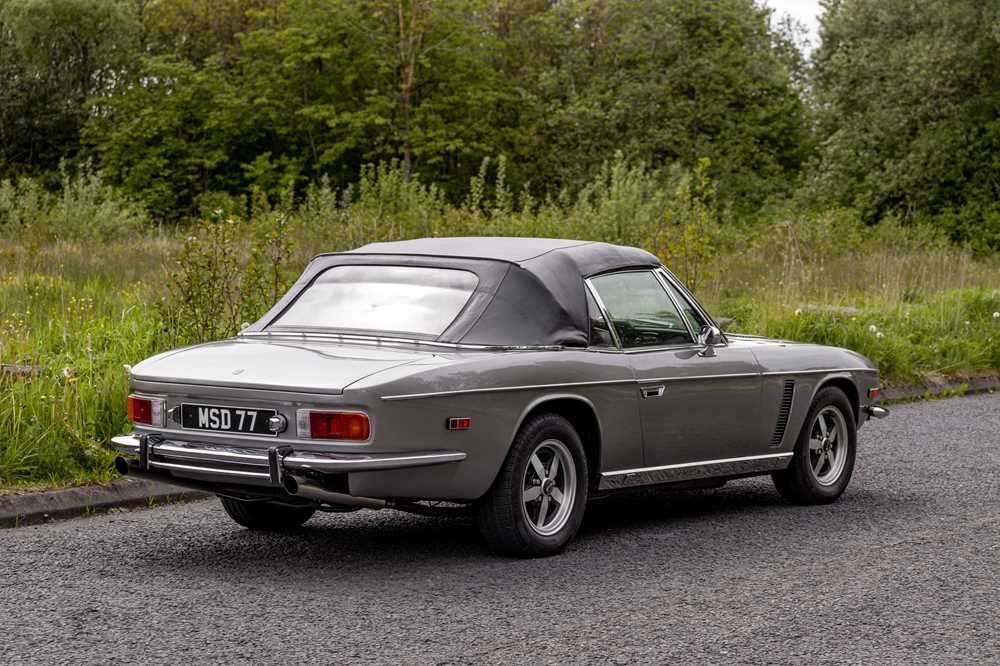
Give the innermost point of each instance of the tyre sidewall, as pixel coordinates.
(509, 487)
(827, 397)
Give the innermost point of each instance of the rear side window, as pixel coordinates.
(393, 299)
(642, 313)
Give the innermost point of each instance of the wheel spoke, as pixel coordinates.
(822, 425)
(554, 467)
(557, 495)
(536, 464)
(543, 511)
(833, 434)
(818, 465)
(532, 493)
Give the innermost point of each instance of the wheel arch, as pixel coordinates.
(581, 414)
(845, 382)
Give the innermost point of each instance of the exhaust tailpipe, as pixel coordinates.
(303, 487)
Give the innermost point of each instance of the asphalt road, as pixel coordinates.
(904, 569)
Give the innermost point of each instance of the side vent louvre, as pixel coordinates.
(786, 407)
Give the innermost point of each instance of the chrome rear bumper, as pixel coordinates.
(258, 466)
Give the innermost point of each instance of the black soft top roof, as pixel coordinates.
(530, 291)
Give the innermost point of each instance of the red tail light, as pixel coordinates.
(873, 392)
(147, 411)
(334, 425)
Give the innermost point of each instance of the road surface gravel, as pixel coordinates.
(904, 569)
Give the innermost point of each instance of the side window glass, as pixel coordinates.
(600, 332)
(640, 310)
(687, 309)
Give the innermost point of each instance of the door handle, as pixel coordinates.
(652, 391)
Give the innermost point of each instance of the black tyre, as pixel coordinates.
(536, 503)
(824, 453)
(266, 515)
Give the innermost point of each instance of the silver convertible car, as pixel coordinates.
(511, 378)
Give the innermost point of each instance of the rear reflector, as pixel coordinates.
(146, 411)
(333, 425)
(873, 392)
(459, 423)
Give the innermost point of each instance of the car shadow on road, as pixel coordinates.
(737, 519)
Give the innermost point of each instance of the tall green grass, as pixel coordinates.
(79, 308)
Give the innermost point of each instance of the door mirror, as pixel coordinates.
(709, 337)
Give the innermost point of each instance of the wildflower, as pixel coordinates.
(67, 372)
(873, 329)
(996, 315)
(798, 311)
(127, 368)
(966, 322)
(880, 334)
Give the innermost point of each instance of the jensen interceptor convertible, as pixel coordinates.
(511, 378)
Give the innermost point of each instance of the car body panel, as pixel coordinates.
(708, 404)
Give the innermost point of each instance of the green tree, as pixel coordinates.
(909, 98)
(55, 55)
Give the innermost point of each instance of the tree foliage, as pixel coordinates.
(271, 95)
(179, 102)
(909, 95)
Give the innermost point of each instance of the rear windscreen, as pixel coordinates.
(393, 299)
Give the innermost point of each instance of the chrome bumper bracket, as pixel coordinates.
(275, 457)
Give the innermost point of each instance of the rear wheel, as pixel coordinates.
(266, 515)
(824, 453)
(537, 501)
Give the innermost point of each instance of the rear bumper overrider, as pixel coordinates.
(274, 472)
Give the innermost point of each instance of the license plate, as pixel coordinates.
(226, 419)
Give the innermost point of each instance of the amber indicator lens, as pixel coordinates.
(459, 423)
(339, 425)
(140, 410)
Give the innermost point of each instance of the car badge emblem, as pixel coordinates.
(238, 371)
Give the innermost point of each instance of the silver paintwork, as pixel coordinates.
(714, 417)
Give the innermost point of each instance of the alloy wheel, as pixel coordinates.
(828, 445)
(549, 487)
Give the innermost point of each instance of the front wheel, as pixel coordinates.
(824, 453)
(266, 515)
(536, 503)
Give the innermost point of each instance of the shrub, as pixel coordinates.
(86, 209)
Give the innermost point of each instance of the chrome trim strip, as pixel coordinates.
(156, 464)
(297, 462)
(661, 277)
(604, 312)
(495, 389)
(687, 293)
(734, 375)
(642, 476)
(378, 340)
(638, 380)
(637, 470)
(815, 372)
